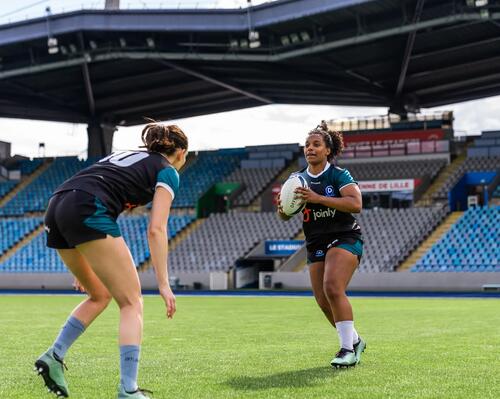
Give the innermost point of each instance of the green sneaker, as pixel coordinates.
(359, 348)
(139, 394)
(52, 371)
(344, 358)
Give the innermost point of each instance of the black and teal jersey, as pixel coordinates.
(125, 179)
(320, 220)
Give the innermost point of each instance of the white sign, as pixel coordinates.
(386, 185)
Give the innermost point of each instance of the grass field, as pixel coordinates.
(246, 347)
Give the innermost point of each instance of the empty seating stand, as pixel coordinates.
(392, 234)
(391, 170)
(14, 230)
(254, 181)
(208, 168)
(473, 164)
(263, 165)
(6, 187)
(34, 197)
(35, 257)
(471, 245)
(26, 167)
(223, 238)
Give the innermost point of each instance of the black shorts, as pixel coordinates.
(75, 217)
(317, 248)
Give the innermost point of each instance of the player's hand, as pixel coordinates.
(280, 207)
(307, 195)
(78, 286)
(169, 298)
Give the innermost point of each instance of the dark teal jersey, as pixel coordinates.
(125, 179)
(320, 220)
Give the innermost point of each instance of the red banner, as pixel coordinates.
(430, 134)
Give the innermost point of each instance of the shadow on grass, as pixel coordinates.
(289, 379)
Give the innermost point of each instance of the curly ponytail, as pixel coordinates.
(163, 138)
(333, 139)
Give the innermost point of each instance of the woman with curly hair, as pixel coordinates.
(333, 236)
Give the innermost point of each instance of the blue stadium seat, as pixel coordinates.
(14, 230)
(27, 167)
(6, 187)
(35, 257)
(208, 168)
(34, 197)
(471, 245)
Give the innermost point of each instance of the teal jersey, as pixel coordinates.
(320, 220)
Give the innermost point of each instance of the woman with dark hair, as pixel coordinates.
(333, 237)
(80, 223)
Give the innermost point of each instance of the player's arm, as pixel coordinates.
(350, 200)
(158, 244)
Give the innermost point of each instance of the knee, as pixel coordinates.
(134, 302)
(101, 299)
(333, 291)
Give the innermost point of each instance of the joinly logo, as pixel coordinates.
(327, 213)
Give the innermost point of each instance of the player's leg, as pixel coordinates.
(340, 265)
(112, 262)
(98, 295)
(316, 273)
(50, 365)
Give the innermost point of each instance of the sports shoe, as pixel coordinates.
(359, 348)
(51, 368)
(138, 394)
(344, 358)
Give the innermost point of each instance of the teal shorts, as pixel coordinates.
(74, 217)
(317, 249)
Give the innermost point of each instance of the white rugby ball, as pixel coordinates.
(291, 205)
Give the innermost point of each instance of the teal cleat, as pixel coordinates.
(51, 369)
(344, 358)
(359, 348)
(139, 394)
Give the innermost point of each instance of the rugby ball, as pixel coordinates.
(291, 205)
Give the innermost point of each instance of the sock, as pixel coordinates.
(355, 335)
(344, 329)
(129, 366)
(69, 333)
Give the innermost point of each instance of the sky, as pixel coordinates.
(270, 124)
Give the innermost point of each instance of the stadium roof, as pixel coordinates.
(117, 66)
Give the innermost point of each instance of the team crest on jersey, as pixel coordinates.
(329, 191)
(319, 253)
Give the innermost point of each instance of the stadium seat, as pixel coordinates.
(223, 238)
(35, 257)
(34, 197)
(15, 229)
(390, 170)
(476, 164)
(471, 245)
(208, 168)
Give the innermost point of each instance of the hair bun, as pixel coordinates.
(162, 138)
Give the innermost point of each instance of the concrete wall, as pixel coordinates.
(63, 281)
(403, 281)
